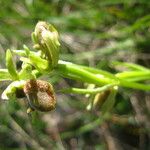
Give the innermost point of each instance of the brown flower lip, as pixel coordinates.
(40, 95)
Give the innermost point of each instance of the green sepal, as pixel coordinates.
(34, 38)
(110, 101)
(27, 50)
(35, 41)
(10, 65)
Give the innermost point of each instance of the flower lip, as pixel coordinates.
(40, 95)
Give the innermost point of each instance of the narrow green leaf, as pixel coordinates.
(132, 74)
(131, 66)
(10, 65)
(4, 75)
(134, 85)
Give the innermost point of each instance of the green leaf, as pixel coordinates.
(132, 74)
(4, 75)
(134, 85)
(10, 65)
(131, 66)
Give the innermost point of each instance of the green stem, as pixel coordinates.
(88, 74)
(91, 75)
(87, 91)
(68, 68)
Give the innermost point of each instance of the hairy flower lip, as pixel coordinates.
(40, 95)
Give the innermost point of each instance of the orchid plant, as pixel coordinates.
(43, 59)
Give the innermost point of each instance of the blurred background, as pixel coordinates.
(93, 33)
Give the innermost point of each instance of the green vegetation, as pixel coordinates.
(99, 67)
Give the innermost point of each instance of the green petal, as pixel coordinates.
(40, 64)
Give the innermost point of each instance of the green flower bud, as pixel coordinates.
(40, 95)
(45, 38)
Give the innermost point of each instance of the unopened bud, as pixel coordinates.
(45, 38)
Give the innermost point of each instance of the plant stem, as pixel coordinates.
(68, 68)
(91, 75)
(87, 91)
(100, 77)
